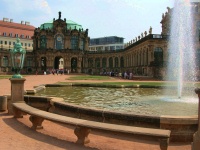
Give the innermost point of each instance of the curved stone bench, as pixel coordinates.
(83, 127)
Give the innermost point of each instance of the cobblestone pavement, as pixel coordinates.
(16, 133)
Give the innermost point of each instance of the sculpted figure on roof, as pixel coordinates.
(59, 14)
(150, 30)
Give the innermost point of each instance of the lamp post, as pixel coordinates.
(17, 82)
(196, 136)
(17, 58)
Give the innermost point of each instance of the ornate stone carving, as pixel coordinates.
(150, 30)
(141, 35)
(145, 33)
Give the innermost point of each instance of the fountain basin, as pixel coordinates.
(142, 101)
(182, 127)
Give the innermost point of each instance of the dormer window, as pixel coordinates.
(22, 36)
(16, 35)
(4, 33)
(10, 34)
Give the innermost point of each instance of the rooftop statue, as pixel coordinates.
(150, 30)
(59, 15)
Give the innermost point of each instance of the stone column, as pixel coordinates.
(17, 92)
(196, 136)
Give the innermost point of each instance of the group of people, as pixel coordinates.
(124, 75)
(57, 71)
(127, 75)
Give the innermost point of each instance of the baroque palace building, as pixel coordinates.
(64, 44)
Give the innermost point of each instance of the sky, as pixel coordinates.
(122, 18)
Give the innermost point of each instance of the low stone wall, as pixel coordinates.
(42, 103)
(63, 108)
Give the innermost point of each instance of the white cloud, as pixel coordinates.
(127, 3)
(43, 6)
(24, 6)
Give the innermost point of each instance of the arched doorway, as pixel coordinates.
(59, 63)
(74, 64)
(43, 64)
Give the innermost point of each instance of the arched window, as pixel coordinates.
(116, 62)
(97, 62)
(158, 56)
(43, 63)
(74, 42)
(104, 63)
(90, 62)
(5, 61)
(59, 42)
(121, 62)
(74, 64)
(82, 44)
(29, 61)
(43, 42)
(110, 62)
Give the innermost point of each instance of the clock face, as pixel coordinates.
(59, 38)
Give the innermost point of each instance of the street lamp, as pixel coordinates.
(17, 58)
(17, 82)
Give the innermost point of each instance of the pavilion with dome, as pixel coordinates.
(60, 44)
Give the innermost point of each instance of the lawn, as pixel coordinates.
(8, 76)
(90, 77)
(5, 76)
(126, 83)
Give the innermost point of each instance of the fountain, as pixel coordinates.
(181, 69)
(181, 62)
(181, 51)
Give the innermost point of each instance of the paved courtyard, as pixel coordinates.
(16, 133)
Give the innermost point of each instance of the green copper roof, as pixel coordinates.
(70, 24)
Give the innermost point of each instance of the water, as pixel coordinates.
(146, 101)
(181, 60)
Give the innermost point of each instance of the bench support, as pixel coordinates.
(82, 135)
(164, 143)
(36, 122)
(17, 113)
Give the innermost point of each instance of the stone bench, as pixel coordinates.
(83, 127)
